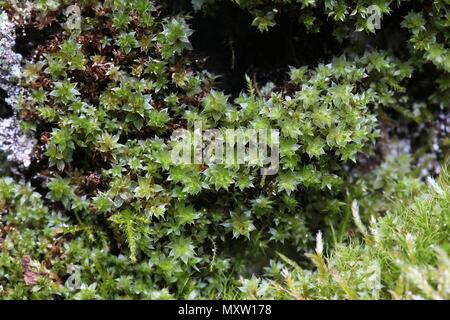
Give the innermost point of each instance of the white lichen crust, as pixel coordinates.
(13, 142)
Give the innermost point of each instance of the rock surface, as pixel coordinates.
(13, 142)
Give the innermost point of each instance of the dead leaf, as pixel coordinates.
(30, 276)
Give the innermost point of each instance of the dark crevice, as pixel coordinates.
(27, 40)
(233, 48)
(5, 109)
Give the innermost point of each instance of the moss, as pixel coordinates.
(105, 212)
(403, 255)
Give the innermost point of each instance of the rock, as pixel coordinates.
(13, 142)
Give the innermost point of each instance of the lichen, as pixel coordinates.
(13, 142)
